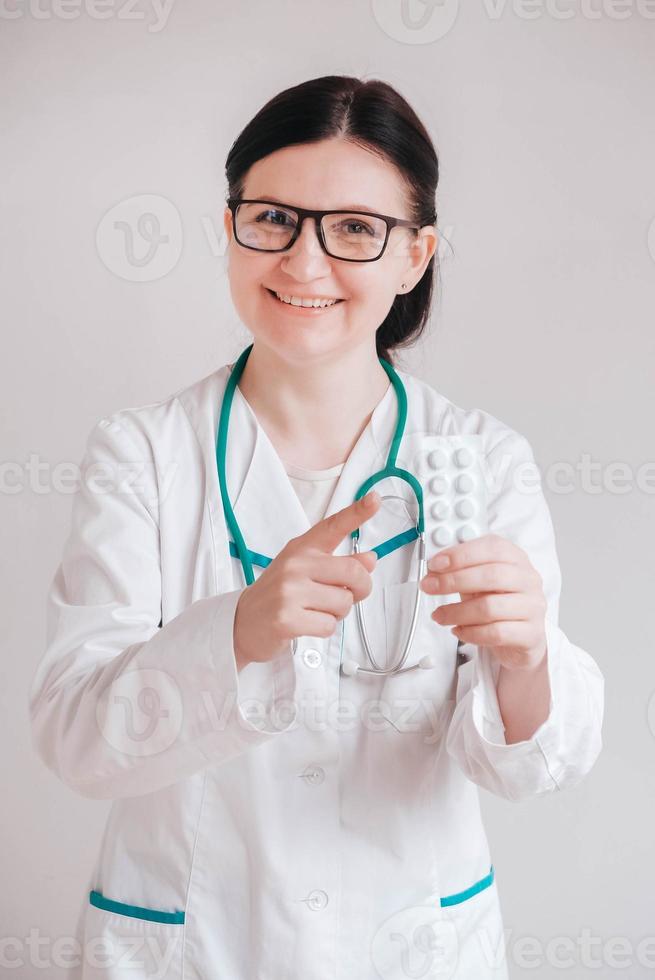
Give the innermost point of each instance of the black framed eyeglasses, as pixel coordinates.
(352, 236)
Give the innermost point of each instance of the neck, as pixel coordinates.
(314, 413)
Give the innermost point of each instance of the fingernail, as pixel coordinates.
(438, 563)
(370, 497)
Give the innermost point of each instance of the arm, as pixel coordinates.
(120, 705)
(523, 699)
(546, 745)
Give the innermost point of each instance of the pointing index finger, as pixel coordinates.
(328, 533)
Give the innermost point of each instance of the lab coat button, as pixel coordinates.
(314, 774)
(316, 900)
(312, 657)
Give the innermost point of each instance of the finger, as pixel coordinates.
(487, 548)
(488, 608)
(345, 571)
(513, 633)
(480, 578)
(330, 532)
(313, 623)
(368, 559)
(332, 599)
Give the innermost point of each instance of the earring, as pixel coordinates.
(403, 285)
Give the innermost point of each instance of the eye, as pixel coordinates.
(275, 217)
(355, 227)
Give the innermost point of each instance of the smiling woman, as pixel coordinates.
(331, 222)
(281, 809)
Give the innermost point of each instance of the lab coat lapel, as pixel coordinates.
(264, 502)
(369, 454)
(263, 499)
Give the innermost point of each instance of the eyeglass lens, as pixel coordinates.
(347, 235)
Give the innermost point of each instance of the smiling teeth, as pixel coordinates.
(297, 301)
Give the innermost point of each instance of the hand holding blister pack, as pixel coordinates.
(449, 474)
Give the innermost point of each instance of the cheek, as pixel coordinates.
(246, 273)
(373, 293)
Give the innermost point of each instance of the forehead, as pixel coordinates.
(330, 174)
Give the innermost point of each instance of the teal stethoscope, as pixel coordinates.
(239, 550)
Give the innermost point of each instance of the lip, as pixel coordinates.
(301, 310)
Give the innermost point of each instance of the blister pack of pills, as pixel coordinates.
(451, 472)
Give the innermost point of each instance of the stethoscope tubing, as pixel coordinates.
(390, 470)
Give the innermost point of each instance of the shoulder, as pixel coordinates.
(144, 445)
(432, 412)
(188, 413)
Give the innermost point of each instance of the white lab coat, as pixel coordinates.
(295, 841)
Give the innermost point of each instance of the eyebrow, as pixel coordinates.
(343, 207)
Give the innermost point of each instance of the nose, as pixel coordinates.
(306, 259)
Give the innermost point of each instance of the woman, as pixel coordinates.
(281, 809)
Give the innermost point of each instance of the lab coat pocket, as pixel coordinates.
(121, 943)
(421, 699)
(480, 943)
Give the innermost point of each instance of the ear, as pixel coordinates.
(227, 223)
(421, 250)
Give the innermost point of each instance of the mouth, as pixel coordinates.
(302, 310)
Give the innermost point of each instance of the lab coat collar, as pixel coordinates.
(263, 499)
(266, 505)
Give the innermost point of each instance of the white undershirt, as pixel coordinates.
(314, 488)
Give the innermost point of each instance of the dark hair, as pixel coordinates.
(375, 116)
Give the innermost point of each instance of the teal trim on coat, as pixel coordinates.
(469, 892)
(134, 911)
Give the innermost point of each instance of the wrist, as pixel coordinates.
(240, 658)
